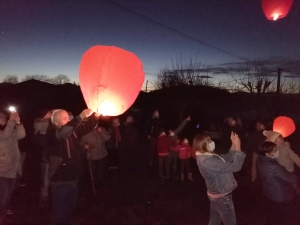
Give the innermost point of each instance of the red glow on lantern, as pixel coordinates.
(276, 9)
(110, 79)
(284, 125)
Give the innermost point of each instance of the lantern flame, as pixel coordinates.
(107, 108)
(276, 9)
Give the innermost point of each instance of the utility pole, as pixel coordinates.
(278, 81)
(146, 85)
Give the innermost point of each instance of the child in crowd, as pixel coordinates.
(163, 155)
(174, 142)
(287, 157)
(185, 151)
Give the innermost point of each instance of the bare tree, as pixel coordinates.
(255, 80)
(182, 73)
(288, 85)
(13, 79)
(61, 79)
(43, 78)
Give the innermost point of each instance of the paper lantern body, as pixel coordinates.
(284, 125)
(276, 9)
(110, 79)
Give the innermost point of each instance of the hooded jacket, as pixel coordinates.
(10, 159)
(96, 141)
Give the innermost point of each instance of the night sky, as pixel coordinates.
(49, 37)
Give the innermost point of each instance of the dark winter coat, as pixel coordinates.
(130, 137)
(276, 180)
(65, 153)
(155, 127)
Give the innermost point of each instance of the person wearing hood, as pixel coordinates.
(287, 157)
(94, 144)
(217, 171)
(278, 184)
(11, 131)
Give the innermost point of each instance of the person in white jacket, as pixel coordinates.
(287, 157)
(11, 131)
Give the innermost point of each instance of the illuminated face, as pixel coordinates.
(259, 126)
(156, 114)
(231, 121)
(2, 119)
(130, 119)
(274, 154)
(62, 118)
(116, 122)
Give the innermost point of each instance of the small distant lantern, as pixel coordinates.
(284, 125)
(276, 9)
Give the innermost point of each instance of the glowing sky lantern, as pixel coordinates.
(276, 9)
(110, 79)
(284, 125)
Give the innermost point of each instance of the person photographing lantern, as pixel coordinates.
(217, 170)
(66, 160)
(11, 131)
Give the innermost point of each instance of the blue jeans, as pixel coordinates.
(64, 200)
(6, 187)
(222, 209)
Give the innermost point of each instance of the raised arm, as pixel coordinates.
(7, 132)
(182, 125)
(216, 163)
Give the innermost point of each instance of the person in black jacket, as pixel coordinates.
(66, 160)
(278, 184)
(154, 129)
(114, 143)
(131, 155)
(254, 140)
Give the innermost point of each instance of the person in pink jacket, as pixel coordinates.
(185, 151)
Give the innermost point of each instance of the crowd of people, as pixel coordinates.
(86, 146)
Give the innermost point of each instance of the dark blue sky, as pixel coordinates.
(49, 37)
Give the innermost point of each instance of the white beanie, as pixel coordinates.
(271, 135)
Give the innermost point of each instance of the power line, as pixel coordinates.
(176, 31)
